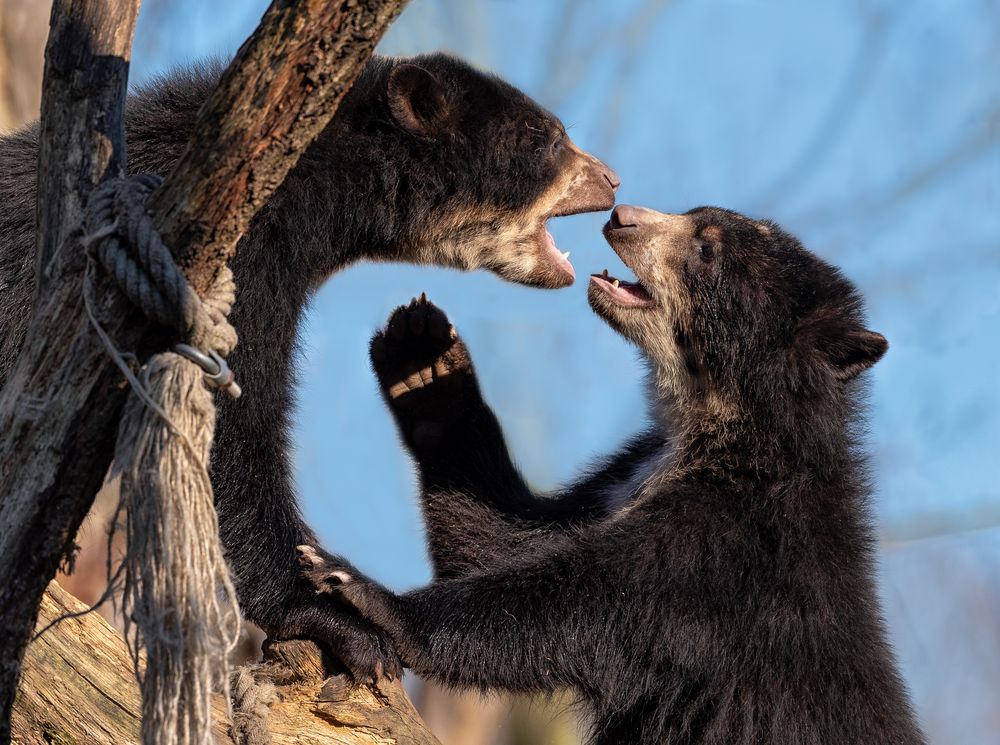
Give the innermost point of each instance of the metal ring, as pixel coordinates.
(202, 360)
(217, 372)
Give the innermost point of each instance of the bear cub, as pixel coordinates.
(427, 160)
(712, 582)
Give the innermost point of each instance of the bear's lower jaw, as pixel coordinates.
(558, 260)
(620, 292)
(537, 261)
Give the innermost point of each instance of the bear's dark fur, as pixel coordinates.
(427, 160)
(714, 582)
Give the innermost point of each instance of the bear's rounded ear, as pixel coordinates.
(853, 352)
(417, 100)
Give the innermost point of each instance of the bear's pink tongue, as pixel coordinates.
(630, 294)
(559, 259)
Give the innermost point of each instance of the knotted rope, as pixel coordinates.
(118, 225)
(253, 694)
(178, 600)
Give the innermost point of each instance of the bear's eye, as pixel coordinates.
(557, 142)
(706, 251)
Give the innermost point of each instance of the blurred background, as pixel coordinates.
(869, 128)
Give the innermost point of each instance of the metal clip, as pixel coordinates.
(217, 372)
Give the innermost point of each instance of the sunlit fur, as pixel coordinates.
(713, 582)
(452, 188)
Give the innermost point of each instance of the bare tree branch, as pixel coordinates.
(82, 143)
(82, 138)
(59, 409)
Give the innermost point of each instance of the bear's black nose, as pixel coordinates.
(623, 216)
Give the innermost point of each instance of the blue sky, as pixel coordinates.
(870, 129)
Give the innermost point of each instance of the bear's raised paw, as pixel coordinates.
(424, 370)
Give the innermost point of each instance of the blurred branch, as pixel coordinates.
(470, 20)
(924, 176)
(558, 72)
(940, 526)
(634, 40)
(821, 144)
(571, 64)
(23, 29)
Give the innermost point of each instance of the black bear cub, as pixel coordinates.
(427, 160)
(713, 582)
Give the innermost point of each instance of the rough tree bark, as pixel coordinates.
(60, 407)
(82, 142)
(82, 138)
(77, 686)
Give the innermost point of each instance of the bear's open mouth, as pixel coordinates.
(626, 294)
(558, 259)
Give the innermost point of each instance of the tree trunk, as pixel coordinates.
(77, 685)
(60, 407)
(45, 437)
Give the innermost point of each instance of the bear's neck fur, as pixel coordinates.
(819, 434)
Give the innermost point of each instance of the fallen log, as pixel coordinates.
(78, 686)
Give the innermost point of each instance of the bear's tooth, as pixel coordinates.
(615, 284)
(566, 255)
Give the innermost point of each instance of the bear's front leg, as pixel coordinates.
(529, 627)
(473, 498)
(363, 647)
(331, 576)
(428, 382)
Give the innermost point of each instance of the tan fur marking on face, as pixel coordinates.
(467, 237)
(657, 256)
(571, 180)
(712, 233)
(509, 242)
(471, 237)
(673, 244)
(669, 240)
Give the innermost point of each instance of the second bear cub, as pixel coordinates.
(713, 582)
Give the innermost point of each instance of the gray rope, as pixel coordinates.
(121, 236)
(175, 577)
(252, 700)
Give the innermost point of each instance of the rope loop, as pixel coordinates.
(120, 236)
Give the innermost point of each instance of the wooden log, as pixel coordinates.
(77, 686)
(60, 407)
